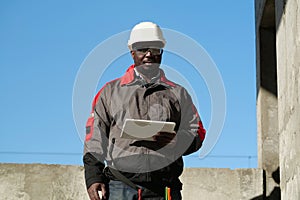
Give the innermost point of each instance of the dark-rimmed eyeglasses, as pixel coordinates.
(153, 51)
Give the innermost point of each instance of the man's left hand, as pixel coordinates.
(160, 140)
(165, 138)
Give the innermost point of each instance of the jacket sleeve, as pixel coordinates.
(191, 132)
(96, 141)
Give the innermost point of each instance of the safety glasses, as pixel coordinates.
(153, 51)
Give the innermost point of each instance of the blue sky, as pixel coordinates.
(43, 46)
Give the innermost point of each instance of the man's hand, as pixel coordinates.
(161, 139)
(93, 191)
(165, 138)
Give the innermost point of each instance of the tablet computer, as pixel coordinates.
(144, 129)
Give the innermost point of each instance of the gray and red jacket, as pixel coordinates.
(130, 97)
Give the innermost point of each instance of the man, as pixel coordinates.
(135, 168)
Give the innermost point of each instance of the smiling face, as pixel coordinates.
(147, 61)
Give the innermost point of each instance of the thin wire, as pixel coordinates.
(80, 154)
(66, 153)
(226, 156)
(40, 153)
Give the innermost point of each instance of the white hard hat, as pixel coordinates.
(146, 34)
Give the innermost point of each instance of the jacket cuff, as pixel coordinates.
(99, 179)
(93, 170)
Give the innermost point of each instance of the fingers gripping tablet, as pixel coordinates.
(145, 129)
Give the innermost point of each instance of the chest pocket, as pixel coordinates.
(163, 106)
(153, 103)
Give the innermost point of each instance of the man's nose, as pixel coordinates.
(148, 53)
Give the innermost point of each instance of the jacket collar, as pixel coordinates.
(129, 77)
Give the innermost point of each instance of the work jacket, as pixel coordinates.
(143, 162)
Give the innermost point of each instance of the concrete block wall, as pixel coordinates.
(288, 66)
(267, 101)
(282, 18)
(61, 182)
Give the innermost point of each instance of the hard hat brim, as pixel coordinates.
(147, 44)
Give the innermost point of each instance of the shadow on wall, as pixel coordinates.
(269, 23)
(267, 45)
(276, 193)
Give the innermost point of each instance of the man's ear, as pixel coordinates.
(132, 54)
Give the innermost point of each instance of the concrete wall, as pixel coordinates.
(59, 182)
(267, 101)
(283, 111)
(222, 184)
(288, 66)
(41, 182)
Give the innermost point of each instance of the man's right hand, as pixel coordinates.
(93, 191)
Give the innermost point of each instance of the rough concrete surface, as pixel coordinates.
(288, 63)
(41, 182)
(287, 30)
(267, 101)
(61, 182)
(217, 184)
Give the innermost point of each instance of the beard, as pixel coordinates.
(148, 69)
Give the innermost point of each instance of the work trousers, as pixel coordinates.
(120, 191)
